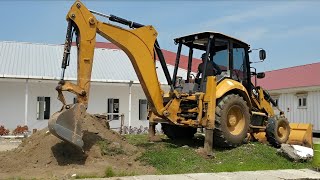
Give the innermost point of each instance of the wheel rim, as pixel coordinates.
(282, 130)
(235, 120)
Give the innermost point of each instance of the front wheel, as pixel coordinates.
(277, 131)
(232, 121)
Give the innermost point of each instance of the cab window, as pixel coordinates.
(238, 62)
(221, 55)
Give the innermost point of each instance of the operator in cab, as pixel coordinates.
(212, 68)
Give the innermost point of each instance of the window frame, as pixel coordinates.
(301, 104)
(113, 117)
(46, 101)
(140, 118)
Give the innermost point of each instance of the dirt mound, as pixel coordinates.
(44, 155)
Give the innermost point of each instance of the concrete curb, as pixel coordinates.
(241, 175)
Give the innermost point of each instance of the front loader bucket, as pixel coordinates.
(301, 134)
(66, 124)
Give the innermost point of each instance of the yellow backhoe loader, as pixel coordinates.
(226, 104)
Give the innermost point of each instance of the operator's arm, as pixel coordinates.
(198, 75)
(217, 68)
(199, 71)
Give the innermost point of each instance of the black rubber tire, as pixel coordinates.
(272, 131)
(223, 137)
(178, 132)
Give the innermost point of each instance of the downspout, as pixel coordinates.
(26, 104)
(130, 96)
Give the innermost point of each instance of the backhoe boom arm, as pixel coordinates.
(137, 43)
(140, 46)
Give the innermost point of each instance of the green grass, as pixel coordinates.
(107, 148)
(316, 158)
(109, 172)
(169, 157)
(85, 176)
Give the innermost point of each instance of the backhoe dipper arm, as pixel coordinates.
(137, 43)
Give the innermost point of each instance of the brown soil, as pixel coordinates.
(43, 155)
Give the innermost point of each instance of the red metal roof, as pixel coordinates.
(169, 56)
(298, 76)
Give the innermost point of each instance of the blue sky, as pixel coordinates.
(287, 30)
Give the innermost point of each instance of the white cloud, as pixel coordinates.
(258, 13)
(298, 32)
(259, 33)
(252, 34)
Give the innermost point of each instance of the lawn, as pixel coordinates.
(316, 159)
(175, 157)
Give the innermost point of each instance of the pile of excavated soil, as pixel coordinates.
(43, 155)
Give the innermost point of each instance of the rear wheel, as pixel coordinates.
(277, 131)
(232, 121)
(178, 132)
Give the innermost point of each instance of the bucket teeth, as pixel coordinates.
(66, 124)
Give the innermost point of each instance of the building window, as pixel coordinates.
(143, 109)
(113, 107)
(43, 108)
(302, 101)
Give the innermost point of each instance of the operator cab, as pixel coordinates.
(228, 53)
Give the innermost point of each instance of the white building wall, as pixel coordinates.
(98, 100)
(46, 89)
(288, 102)
(137, 94)
(12, 111)
(12, 104)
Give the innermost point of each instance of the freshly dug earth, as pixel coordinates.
(43, 155)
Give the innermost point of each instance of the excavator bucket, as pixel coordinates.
(66, 123)
(301, 134)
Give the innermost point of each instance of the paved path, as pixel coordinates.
(8, 144)
(242, 175)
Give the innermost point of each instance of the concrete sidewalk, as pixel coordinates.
(242, 175)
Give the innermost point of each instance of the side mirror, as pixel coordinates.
(262, 54)
(261, 75)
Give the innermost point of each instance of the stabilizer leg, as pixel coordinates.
(152, 132)
(208, 143)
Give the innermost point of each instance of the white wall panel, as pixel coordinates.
(12, 95)
(288, 102)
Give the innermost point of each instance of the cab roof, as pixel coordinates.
(199, 40)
